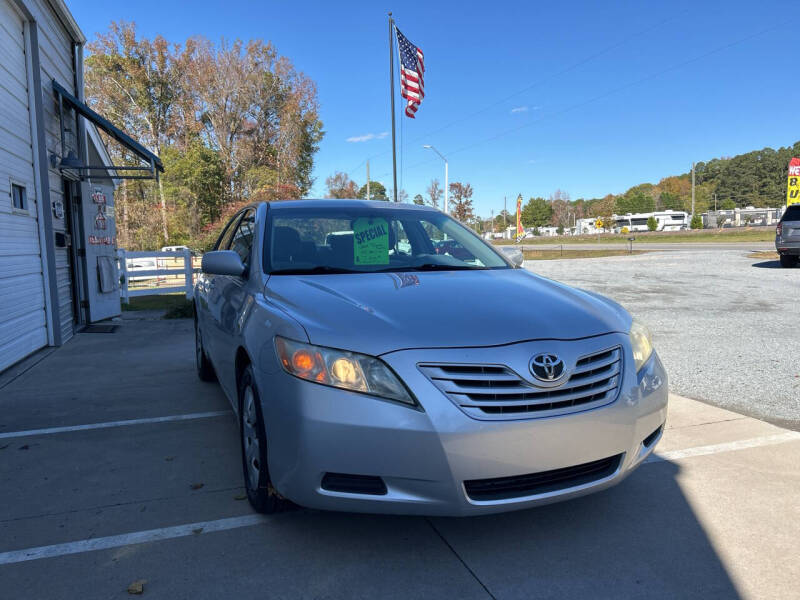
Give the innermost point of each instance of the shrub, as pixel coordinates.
(652, 224)
(697, 222)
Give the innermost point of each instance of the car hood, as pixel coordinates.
(376, 313)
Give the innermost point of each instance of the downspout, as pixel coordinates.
(83, 153)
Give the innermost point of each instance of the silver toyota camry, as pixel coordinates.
(381, 357)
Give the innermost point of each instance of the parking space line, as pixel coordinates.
(203, 527)
(128, 539)
(129, 422)
(766, 440)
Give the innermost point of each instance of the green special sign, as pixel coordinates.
(370, 241)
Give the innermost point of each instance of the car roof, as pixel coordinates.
(345, 203)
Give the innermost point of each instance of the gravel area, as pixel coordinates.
(726, 325)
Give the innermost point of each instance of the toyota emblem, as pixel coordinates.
(547, 367)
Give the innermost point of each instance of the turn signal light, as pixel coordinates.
(303, 360)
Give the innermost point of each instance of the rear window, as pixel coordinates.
(792, 213)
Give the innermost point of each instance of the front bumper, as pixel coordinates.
(425, 456)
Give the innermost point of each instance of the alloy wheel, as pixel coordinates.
(252, 449)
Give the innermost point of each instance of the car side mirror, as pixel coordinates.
(514, 255)
(222, 262)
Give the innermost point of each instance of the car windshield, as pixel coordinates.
(792, 213)
(321, 240)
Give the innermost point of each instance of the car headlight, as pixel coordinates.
(641, 343)
(341, 369)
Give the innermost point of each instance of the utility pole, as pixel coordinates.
(715, 201)
(367, 179)
(505, 212)
(492, 219)
(692, 190)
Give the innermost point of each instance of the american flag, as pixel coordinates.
(412, 69)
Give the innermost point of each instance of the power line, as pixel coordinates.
(610, 92)
(542, 81)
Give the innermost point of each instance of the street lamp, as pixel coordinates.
(445, 173)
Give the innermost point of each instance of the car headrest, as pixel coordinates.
(286, 243)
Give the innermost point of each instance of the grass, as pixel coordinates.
(765, 255)
(175, 305)
(557, 254)
(745, 234)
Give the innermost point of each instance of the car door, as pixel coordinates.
(232, 293)
(208, 297)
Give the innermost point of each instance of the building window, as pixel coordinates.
(18, 198)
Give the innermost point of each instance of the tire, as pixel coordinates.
(263, 497)
(788, 260)
(205, 370)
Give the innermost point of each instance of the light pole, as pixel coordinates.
(445, 174)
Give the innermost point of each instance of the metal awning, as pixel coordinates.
(154, 162)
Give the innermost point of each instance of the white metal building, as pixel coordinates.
(57, 229)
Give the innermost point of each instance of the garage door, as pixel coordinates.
(22, 310)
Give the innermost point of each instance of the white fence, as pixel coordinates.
(154, 273)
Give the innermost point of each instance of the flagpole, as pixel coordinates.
(391, 93)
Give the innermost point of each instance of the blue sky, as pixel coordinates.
(522, 97)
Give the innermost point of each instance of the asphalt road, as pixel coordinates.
(672, 247)
(725, 324)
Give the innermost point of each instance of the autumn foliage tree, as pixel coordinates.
(341, 186)
(460, 200)
(233, 123)
(434, 193)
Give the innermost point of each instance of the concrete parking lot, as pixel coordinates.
(724, 323)
(140, 481)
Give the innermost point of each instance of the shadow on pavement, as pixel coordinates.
(638, 540)
(767, 264)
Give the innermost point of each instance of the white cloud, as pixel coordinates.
(519, 109)
(367, 137)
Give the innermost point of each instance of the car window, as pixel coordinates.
(363, 239)
(225, 237)
(792, 213)
(242, 240)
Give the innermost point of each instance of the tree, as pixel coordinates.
(697, 222)
(135, 83)
(536, 213)
(434, 193)
(377, 191)
(402, 196)
(503, 220)
(341, 186)
(239, 109)
(461, 202)
(652, 224)
(193, 182)
(255, 109)
(727, 204)
(419, 200)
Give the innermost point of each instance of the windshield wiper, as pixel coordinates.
(318, 270)
(439, 267)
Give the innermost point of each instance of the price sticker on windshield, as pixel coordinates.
(370, 241)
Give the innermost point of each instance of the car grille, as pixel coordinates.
(505, 488)
(497, 392)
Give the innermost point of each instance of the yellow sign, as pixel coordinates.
(793, 183)
(599, 223)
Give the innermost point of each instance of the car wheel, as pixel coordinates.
(788, 260)
(205, 371)
(262, 495)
